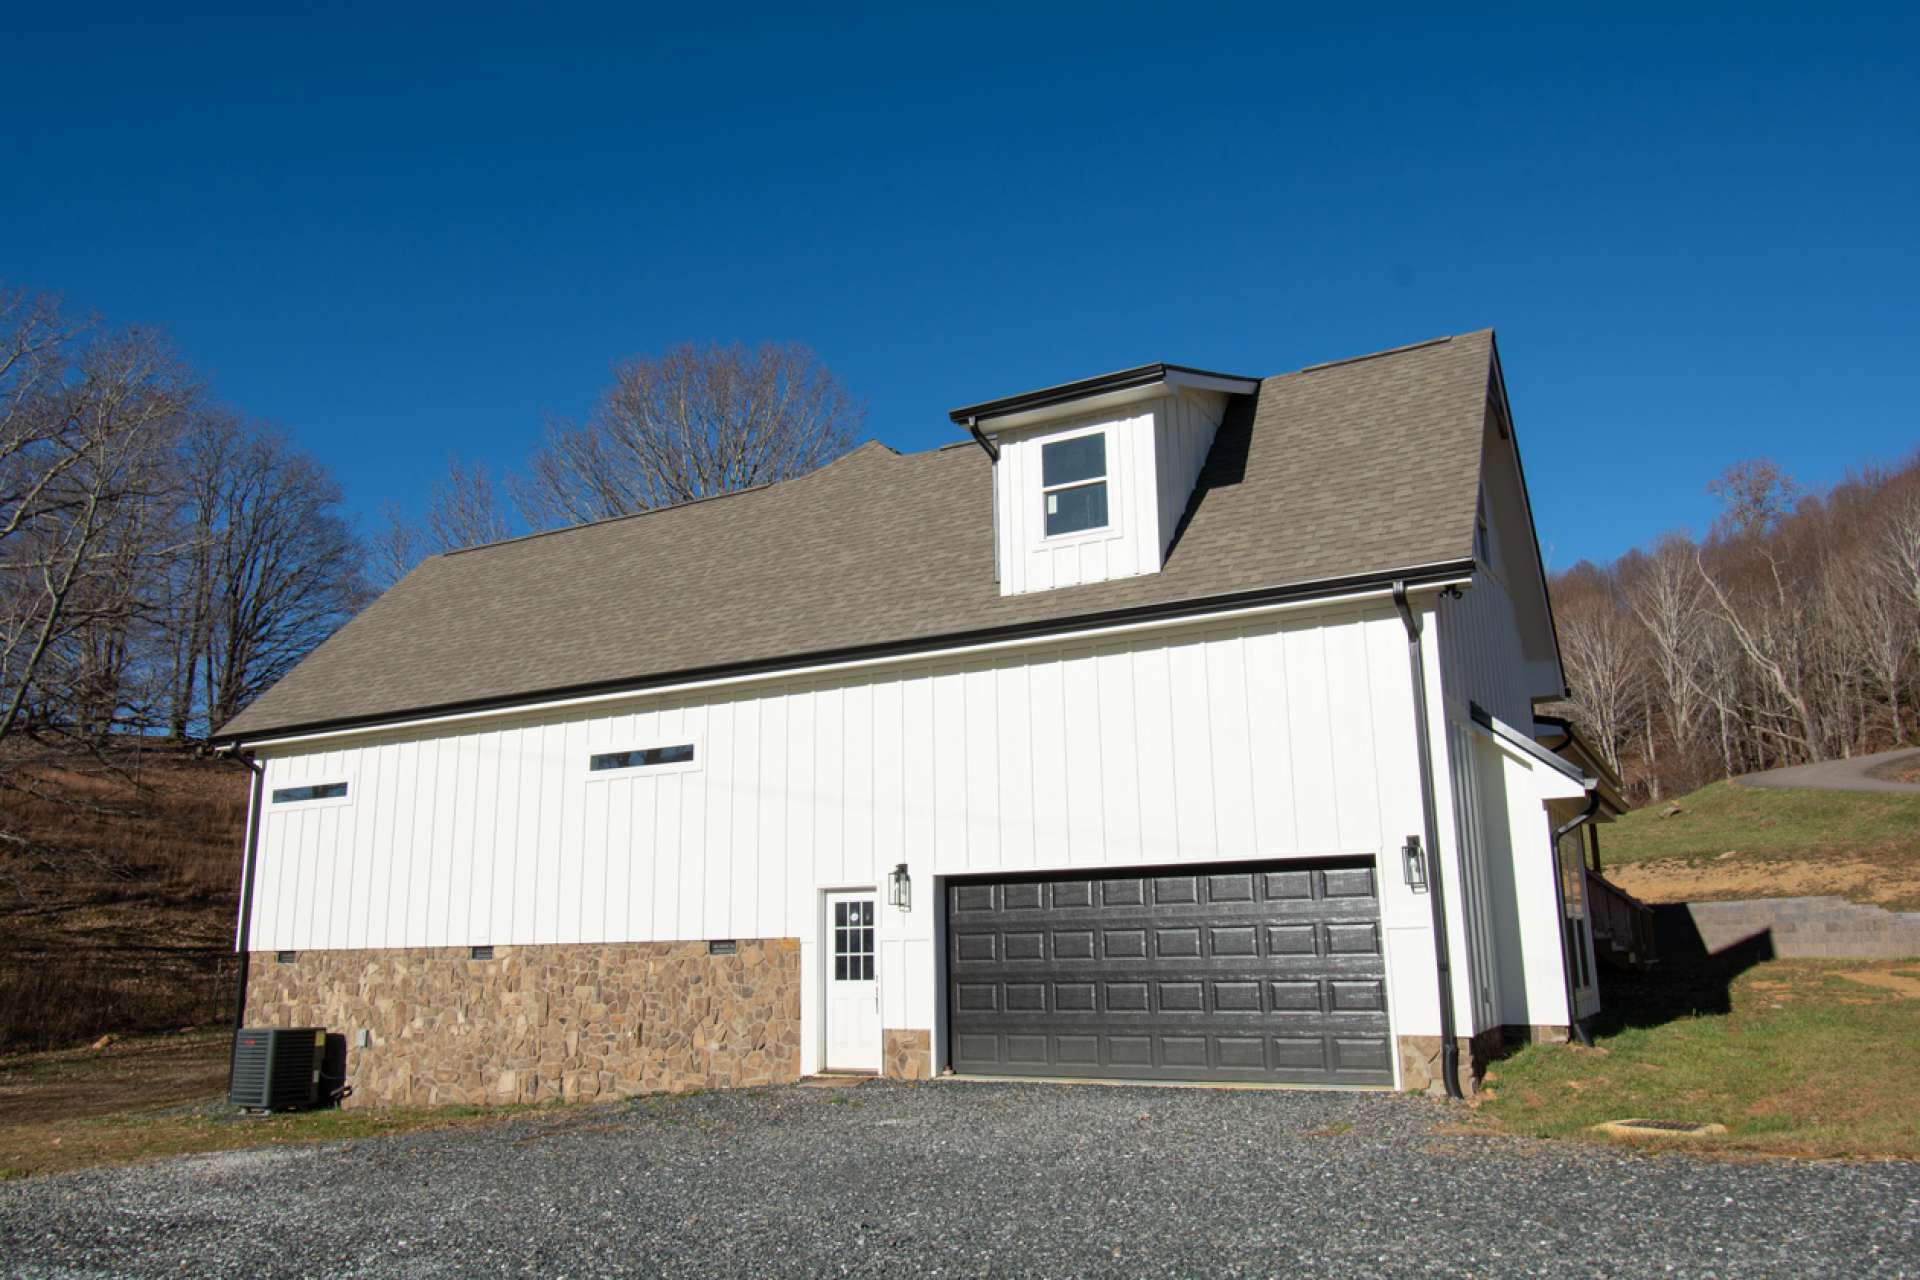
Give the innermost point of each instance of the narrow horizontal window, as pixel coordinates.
(317, 791)
(1073, 482)
(645, 758)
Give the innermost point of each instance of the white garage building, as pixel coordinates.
(1169, 725)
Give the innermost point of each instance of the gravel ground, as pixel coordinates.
(966, 1179)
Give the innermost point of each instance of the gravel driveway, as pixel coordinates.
(966, 1179)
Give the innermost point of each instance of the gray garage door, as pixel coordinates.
(1264, 973)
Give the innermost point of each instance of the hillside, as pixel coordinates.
(1733, 841)
(117, 911)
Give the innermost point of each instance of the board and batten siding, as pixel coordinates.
(1289, 735)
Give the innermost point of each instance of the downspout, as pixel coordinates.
(980, 438)
(1436, 894)
(993, 458)
(1575, 1026)
(246, 890)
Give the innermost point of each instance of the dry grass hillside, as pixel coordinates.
(1732, 841)
(118, 891)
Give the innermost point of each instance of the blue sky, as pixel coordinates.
(1698, 237)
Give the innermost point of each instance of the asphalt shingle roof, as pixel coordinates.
(1339, 470)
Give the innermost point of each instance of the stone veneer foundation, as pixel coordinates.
(1420, 1062)
(534, 1023)
(906, 1055)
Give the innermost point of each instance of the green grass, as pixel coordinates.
(1767, 822)
(1794, 1057)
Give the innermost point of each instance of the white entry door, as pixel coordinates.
(853, 989)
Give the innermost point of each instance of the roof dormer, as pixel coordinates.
(1090, 478)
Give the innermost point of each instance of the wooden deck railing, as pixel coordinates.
(1622, 926)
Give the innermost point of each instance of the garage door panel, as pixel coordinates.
(1282, 1059)
(1358, 1056)
(1072, 895)
(1072, 944)
(1232, 973)
(1166, 991)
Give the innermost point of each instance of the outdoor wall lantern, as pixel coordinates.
(900, 889)
(1416, 865)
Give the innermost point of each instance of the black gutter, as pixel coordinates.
(1436, 893)
(980, 438)
(1545, 755)
(1575, 1027)
(1561, 725)
(251, 859)
(1124, 380)
(928, 645)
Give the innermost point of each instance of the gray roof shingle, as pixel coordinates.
(1335, 471)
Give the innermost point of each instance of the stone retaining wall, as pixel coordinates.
(534, 1023)
(1825, 928)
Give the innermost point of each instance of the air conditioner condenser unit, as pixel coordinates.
(277, 1068)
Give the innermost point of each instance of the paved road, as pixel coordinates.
(967, 1180)
(1837, 775)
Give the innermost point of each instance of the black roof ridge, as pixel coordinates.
(1375, 355)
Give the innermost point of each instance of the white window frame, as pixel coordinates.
(646, 770)
(346, 776)
(1111, 529)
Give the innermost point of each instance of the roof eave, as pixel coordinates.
(1088, 394)
(1433, 575)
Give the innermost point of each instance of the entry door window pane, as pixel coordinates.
(853, 941)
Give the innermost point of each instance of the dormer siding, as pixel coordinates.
(1153, 452)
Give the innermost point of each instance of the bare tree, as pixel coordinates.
(85, 470)
(1897, 558)
(1603, 671)
(394, 549)
(694, 422)
(464, 509)
(1791, 633)
(286, 571)
(1667, 598)
(1756, 494)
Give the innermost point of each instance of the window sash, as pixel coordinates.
(308, 792)
(1075, 467)
(679, 753)
(1099, 514)
(1070, 461)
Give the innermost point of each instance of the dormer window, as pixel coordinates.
(1073, 479)
(1090, 478)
